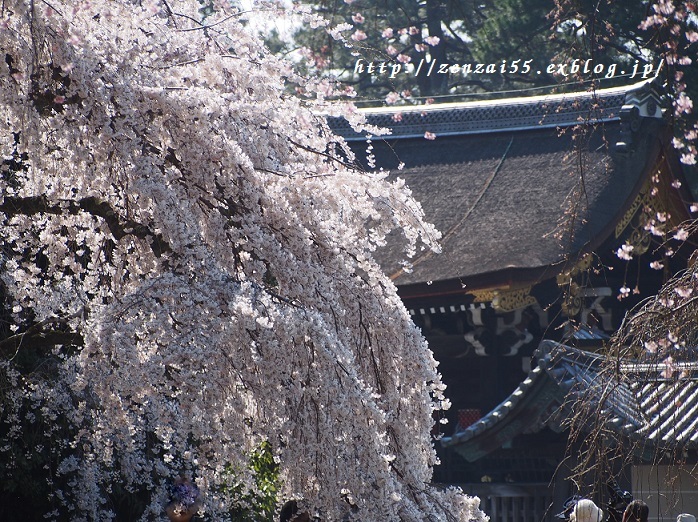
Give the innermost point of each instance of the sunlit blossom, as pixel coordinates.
(681, 234)
(669, 368)
(214, 269)
(651, 346)
(683, 291)
(624, 252)
(336, 31)
(683, 104)
(667, 302)
(688, 159)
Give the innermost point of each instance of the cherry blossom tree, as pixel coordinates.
(187, 273)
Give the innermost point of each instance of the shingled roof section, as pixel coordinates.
(643, 402)
(515, 184)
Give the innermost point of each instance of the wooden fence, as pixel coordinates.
(515, 502)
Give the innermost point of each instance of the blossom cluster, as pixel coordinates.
(678, 19)
(196, 231)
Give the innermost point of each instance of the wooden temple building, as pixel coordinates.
(540, 201)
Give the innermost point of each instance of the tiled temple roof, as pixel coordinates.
(481, 117)
(639, 401)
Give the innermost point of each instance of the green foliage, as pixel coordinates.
(488, 32)
(546, 32)
(517, 29)
(259, 504)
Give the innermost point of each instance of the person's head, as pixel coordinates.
(637, 511)
(685, 517)
(586, 511)
(185, 502)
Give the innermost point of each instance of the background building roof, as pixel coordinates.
(517, 184)
(647, 403)
(479, 117)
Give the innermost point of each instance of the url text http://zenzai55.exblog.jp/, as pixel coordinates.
(571, 68)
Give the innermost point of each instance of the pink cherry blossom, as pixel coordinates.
(683, 291)
(392, 98)
(651, 346)
(358, 35)
(683, 104)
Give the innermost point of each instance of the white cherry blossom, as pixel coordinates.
(199, 235)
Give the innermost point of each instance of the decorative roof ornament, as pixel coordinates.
(641, 103)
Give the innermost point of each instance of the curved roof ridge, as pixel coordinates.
(668, 420)
(551, 98)
(536, 377)
(487, 116)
